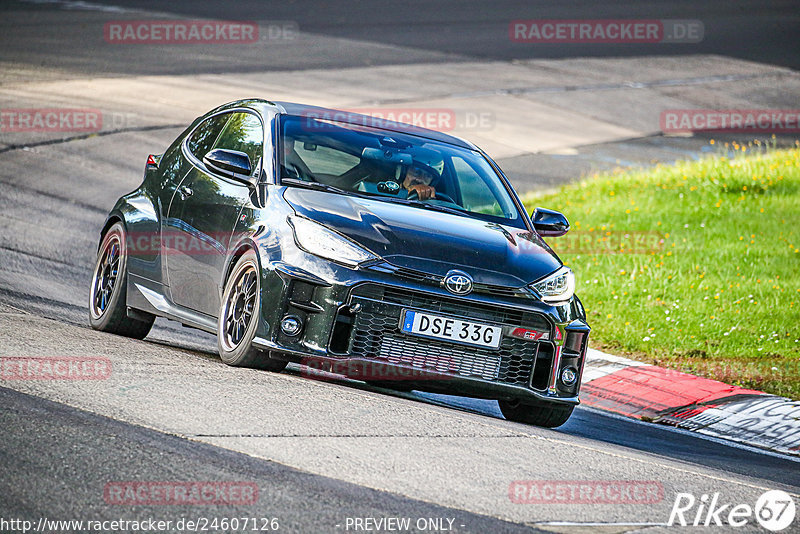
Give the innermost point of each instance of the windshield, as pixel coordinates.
(394, 167)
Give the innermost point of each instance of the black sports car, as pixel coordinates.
(383, 251)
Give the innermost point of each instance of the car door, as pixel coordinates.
(145, 257)
(204, 213)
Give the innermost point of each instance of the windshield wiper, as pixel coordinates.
(319, 186)
(425, 205)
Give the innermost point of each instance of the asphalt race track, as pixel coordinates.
(324, 451)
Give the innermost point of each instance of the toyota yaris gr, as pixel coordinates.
(381, 251)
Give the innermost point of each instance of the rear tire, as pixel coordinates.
(108, 311)
(239, 315)
(546, 414)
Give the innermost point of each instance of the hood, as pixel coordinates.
(431, 241)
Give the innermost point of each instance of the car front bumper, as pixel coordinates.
(351, 328)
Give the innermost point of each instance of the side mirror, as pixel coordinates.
(230, 163)
(549, 223)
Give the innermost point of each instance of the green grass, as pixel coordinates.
(709, 283)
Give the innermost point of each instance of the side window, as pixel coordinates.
(204, 135)
(475, 193)
(243, 133)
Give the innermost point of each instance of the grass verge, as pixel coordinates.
(693, 266)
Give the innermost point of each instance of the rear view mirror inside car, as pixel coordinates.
(385, 154)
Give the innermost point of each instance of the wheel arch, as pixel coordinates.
(238, 251)
(111, 220)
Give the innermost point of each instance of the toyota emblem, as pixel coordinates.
(458, 282)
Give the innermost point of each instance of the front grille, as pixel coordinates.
(418, 276)
(397, 349)
(453, 306)
(501, 291)
(376, 336)
(438, 281)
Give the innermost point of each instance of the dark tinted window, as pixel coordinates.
(204, 135)
(325, 160)
(244, 134)
(387, 166)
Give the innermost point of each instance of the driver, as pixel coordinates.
(419, 178)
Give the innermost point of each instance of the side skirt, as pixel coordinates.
(142, 296)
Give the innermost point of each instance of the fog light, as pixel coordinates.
(569, 376)
(291, 325)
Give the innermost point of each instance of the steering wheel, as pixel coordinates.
(413, 195)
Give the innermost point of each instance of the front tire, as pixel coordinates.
(238, 318)
(108, 311)
(546, 414)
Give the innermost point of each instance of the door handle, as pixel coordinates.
(185, 192)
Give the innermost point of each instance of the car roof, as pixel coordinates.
(348, 117)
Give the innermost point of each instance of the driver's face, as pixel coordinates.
(417, 176)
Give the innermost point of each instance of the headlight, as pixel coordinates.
(325, 243)
(556, 288)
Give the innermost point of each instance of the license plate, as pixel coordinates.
(451, 329)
